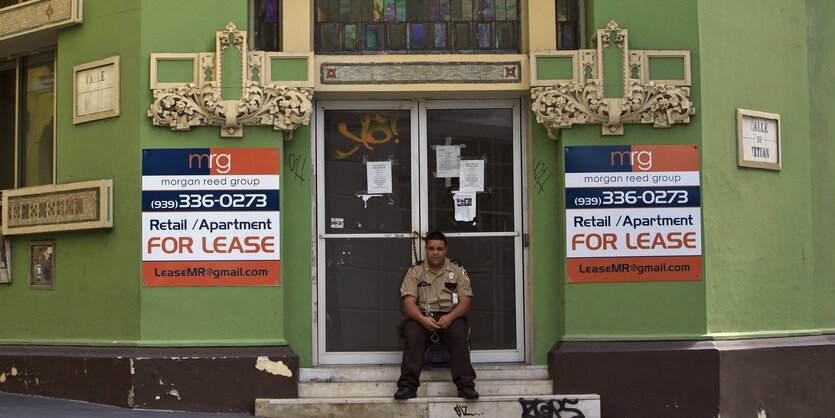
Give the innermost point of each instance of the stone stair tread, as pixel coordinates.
(427, 388)
(390, 399)
(429, 407)
(391, 373)
(368, 391)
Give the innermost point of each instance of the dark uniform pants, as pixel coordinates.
(457, 340)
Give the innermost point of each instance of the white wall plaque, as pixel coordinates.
(759, 139)
(96, 90)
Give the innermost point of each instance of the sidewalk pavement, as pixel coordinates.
(25, 406)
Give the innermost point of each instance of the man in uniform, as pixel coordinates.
(436, 296)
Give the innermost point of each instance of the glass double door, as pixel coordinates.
(388, 169)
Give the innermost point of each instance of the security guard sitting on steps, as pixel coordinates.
(436, 297)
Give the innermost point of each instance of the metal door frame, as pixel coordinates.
(420, 217)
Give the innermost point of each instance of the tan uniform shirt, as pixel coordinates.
(434, 295)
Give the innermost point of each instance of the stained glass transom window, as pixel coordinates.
(417, 26)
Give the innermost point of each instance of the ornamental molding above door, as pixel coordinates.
(262, 102)
(560, 103)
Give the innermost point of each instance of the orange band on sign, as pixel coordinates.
(634, 269)
(211, 273)
(246, 161)
(670, 157)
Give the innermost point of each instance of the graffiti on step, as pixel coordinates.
(539, 408)
(462, 411)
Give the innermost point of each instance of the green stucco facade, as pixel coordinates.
(767, 235)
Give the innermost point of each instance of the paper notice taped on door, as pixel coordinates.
(471, 176)
(464, 206)
(447, 158)
(379, 177)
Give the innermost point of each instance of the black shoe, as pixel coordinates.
(408, 393)
(467, 393)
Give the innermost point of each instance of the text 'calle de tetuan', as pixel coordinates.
(210, 217)
(633, 213)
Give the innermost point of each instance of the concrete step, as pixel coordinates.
(427, 388)
(391, 373)
(587, 406)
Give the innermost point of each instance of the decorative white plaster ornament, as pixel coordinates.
(560, 104)
(200, 103)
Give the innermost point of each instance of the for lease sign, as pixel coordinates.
(210, 217)
(633, 213)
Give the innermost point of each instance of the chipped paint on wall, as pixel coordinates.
(3, 378)
(175, 393)
(277, 368)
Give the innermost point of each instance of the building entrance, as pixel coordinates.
(386, 169)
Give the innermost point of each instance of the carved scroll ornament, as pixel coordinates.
(200, 103)
(582, 101)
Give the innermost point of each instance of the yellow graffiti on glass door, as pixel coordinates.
(385, 127)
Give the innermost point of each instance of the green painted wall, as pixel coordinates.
(767, 235)
(820, 13)
(758, 223)
(547, 238)
(635, 311)
(98, 297)
(611, 311)
(297, 244)
(202, 315)
(96, 301)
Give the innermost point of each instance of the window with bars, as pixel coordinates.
(417, 26)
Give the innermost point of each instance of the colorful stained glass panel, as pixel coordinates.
(391, 10)
(400, 10)
(372, 37)
(485, 35)
(417, 36)
(440, 36)
(466, 9)
(419, 26)
(350, 37)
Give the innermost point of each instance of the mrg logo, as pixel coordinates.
(641, 159)
(222, 163)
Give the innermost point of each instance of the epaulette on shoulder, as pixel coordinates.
(456, 262)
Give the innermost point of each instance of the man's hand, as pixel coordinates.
(411, 310)
(445, 321)
(429, 323)
(461, 310)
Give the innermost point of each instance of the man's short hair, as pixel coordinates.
(435, 236)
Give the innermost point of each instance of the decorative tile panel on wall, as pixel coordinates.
(421, 73)
(58, 207)
(38, 15)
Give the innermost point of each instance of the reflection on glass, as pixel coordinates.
(352, 139)
(37, 120)
(568, 24)
(7, 124)
(490, 264)
(486, 134)
(362, 283)
(266, 25)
